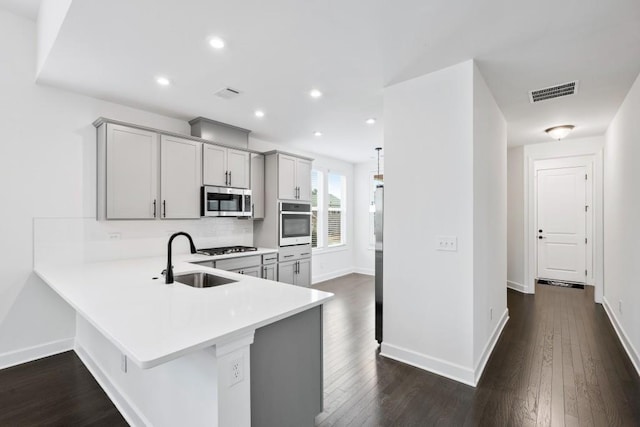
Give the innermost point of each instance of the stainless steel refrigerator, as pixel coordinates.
(378, 220)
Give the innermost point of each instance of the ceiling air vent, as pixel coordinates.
(227, 93)
(564, 89)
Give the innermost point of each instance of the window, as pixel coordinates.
(374, 182)
(316, 214)
(328, 209)
(336, 215)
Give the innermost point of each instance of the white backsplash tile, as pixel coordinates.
(74, 240)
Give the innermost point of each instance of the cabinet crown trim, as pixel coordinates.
(103, 120)
(267, 153)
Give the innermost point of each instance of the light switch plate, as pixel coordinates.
(447, 243)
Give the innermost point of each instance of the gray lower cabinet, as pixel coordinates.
(286, 371)
(249, 271)
(286, 272)
(269, 272)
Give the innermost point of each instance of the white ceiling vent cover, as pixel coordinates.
(564, 89)
(227, 93)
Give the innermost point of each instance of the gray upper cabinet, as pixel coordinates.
(127, 173)
(225, 167)
(257, 185)
(180, 175)
(145, 175)
(294, 178)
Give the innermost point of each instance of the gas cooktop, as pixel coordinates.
(226, 250)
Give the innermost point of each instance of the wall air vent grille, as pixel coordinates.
(564, 89)
(227, 93)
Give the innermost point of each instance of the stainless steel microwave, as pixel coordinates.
(295, 223)
(223, 201)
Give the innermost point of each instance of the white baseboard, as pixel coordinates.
(36, 352)
(128, 411)
(516, 286)
(366, 271)
(332, 275)
(622, 335)
(428, 363)
(488, 349)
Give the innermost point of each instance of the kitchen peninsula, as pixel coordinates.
(178, 355)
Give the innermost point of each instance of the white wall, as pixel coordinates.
(515, 218)
(489, 221)
(47, 169)
(621, 227)
(364, 254)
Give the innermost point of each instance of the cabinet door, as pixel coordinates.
(238, 165)
(132, 173)
(286, 177)
(180, 173)
(252, 271)
(286, 272)
(269, 272)
(303, 276)
(214, 164)
(257, 185)
(303, 179)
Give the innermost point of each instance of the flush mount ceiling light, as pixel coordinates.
(163, 81)
(317, 133)
(259, 113)
(216, 42)
(559, 132)
(315, 93)
(371, 121)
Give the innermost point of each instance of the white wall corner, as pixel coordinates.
(517, 286)
(365, 271)
(489, 347)
(332, 275)
(622, 335)
(36, 352)
(428, 363)
(51, 16)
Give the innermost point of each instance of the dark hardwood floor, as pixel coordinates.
(54, 391)
(557, 363)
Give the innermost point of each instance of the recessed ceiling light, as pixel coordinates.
(317, 133)
(259, 113)
(163, 81)
(216, 42)
(315, 93)
(371, 121)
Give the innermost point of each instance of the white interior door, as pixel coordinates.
(561, 217)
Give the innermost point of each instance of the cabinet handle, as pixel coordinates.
(164, 208)
(154, 208)
(304, 253)
(229, 177)
(264, 272)
(288, 256)
(253, 210)
(226, 177)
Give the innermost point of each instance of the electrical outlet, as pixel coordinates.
(123, 363)
(236, 373)
(447, 243)
(114, 236)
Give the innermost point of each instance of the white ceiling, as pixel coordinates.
(25, 8)
(278, 50)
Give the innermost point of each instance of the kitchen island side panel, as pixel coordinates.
(286, 371)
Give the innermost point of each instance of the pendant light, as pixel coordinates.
(378, 176)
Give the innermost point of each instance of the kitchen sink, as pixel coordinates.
(202, 280)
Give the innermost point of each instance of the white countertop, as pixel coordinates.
(153, 323)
